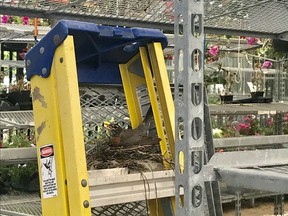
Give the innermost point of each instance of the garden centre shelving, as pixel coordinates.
(246, 17)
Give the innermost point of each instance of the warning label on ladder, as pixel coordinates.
(48, 169)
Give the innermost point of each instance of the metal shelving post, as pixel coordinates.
(189, 50)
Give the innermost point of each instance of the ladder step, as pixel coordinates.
(116, 189)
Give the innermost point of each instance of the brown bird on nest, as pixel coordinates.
(136, 136)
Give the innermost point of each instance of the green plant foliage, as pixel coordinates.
(19, 177)
(19, 139)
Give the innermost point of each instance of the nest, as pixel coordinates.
(137, 158)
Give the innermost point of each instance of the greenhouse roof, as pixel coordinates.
(262, 18)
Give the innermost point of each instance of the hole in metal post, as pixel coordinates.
(196, 22)
(196, 93)
(180, 25)
(196, 128)
(196, 60)
(181, 162)
(181, 128)
(197, 196)
(180, 60)
(180, 95)
(181, 198)
(196, 161)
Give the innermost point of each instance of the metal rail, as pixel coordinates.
(251, 141)
(26, 155)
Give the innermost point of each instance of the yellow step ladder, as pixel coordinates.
(76, 52)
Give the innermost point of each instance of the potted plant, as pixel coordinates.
(257, 81)
(222, 76)
(23, 177)
(3, 89)
(20, 94)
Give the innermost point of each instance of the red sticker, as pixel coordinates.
(47, 151)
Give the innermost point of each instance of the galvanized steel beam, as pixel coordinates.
(250, 141)
(256, 179)
(270, 157)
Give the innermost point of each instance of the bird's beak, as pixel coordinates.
(106, 124)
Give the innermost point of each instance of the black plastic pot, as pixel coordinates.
(14, 47)
(226, 98)
(257, 94)
(21, 98)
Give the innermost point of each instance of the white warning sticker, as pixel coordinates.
(48, 169)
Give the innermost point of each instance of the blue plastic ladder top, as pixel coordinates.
(98, 49)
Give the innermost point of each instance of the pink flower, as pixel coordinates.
(250, 40)
(286, 117)
(168, 57)
(25, 20)
(244, 126)
(270, 121)
(267, 64)
(246, 119)
(4, 19)
(214, 50)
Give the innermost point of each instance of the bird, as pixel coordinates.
(136, 136)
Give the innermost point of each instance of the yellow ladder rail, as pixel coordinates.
(164, 92)
(130, 82)
(58, 123)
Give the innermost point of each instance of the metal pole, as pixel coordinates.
(238, 203)
(189, 58)
(279, 205)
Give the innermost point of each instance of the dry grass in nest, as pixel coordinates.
(136, 158)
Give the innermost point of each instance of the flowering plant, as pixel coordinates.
(2, 87)
(22, 20)
(15, 19)
(252, 126)
(220, 75)
(258, 78)
(285, 124)
(267, 64)
(251, 40)
(20, 85)
(249, 126)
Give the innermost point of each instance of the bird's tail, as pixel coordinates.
(149, 116)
